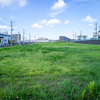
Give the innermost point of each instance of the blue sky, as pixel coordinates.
(50, 18)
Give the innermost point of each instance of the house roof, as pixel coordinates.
(4, 34)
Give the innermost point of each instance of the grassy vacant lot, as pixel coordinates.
(50, 71)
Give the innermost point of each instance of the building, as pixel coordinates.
(96, 35)
(1, 40)
(16, 37)
(42, 39)
(81, 37)
(4, 39)
(64, 38)
(99, 34)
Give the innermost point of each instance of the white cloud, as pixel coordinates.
(53, 21)
(43, 21)
(0, 18)
(89, 19)
(58, 5)
(4, 27)
(5, 2)
(36, 25)
(66, 22)
(54, 14)
(90, 24)
(20, 3)
(51, 25)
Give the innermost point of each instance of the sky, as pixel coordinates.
(50, 18)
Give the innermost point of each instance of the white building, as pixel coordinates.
(16, 37)
(4, 39)
(41, 39)
(96, 35)
(81, 37)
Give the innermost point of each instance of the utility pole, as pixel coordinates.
(26, 39)
(11, 31)
(29, 37)
(80, 33)
(96, 27)
(99, 28)
(18, 37)
(35, 37)
(23, 35)
(75, 36)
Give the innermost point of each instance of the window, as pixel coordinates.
(0, 40)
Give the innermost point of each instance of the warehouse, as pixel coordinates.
(4, 39)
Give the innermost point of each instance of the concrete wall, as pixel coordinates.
(89, 42)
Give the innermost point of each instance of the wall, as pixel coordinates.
(89, 42)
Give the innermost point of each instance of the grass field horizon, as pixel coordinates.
(50, 71)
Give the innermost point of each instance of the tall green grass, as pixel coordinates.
(50, 71)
